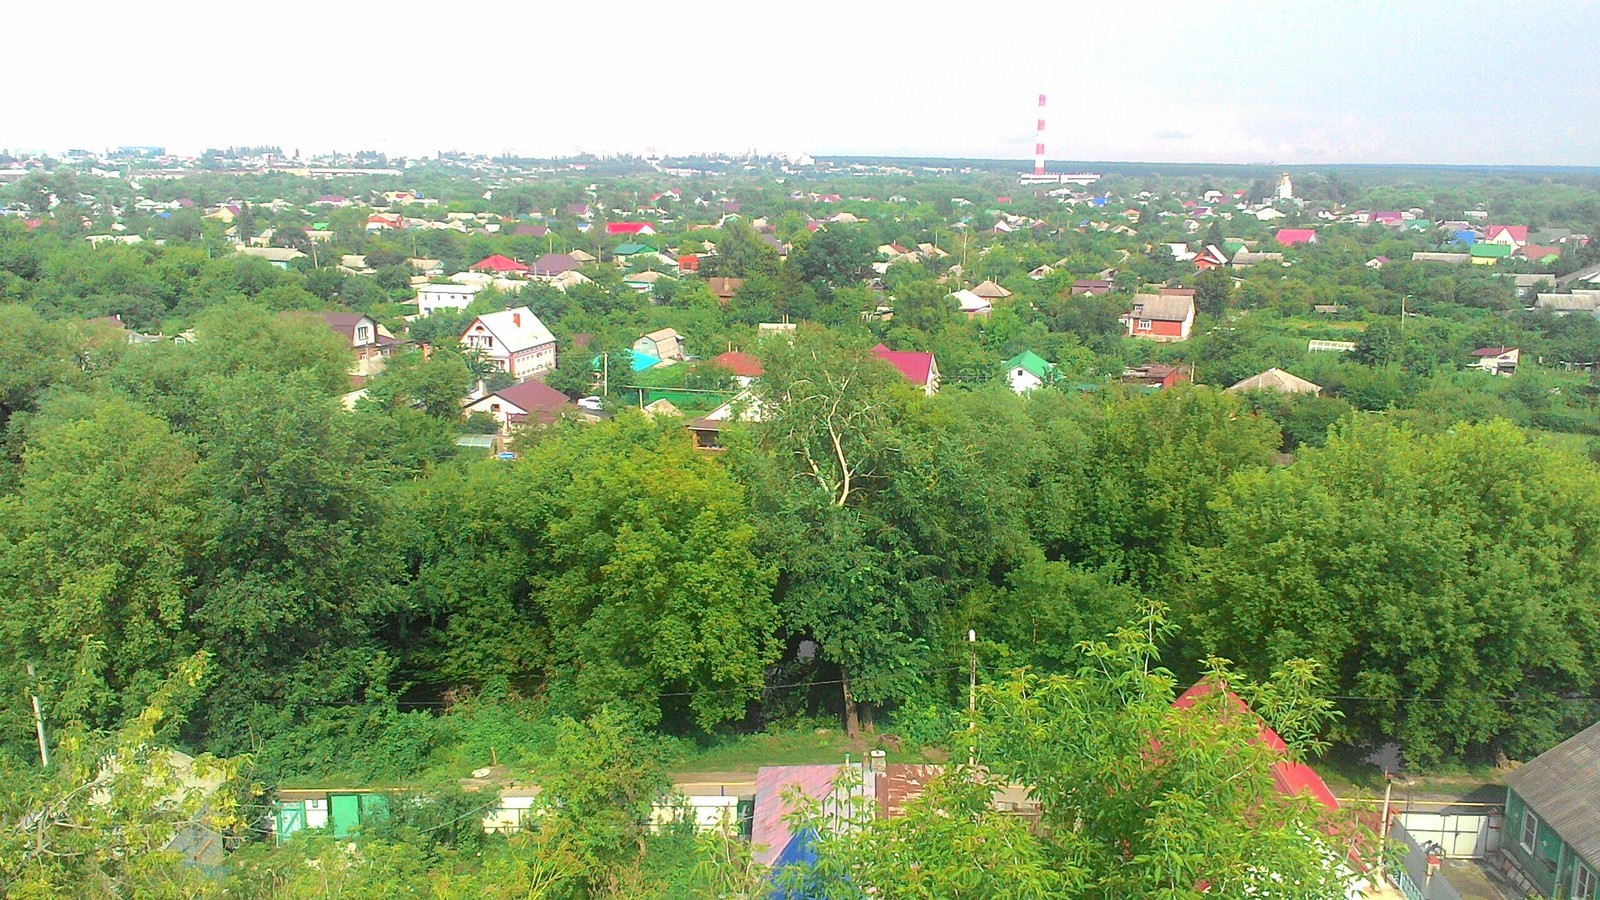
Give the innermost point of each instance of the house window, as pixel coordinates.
(1530, 830)
(1144, 324)
(363, 334)
(1583, 882)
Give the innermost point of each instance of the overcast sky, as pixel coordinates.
(1352, 81)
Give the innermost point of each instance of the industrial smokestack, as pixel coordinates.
(1038, 145)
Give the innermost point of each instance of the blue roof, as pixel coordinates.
(1466, 237)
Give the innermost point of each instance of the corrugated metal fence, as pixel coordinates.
(1413, 879)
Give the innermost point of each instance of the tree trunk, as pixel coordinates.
(852, 725)
(867, 723)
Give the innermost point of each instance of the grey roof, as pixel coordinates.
(1277, 380)
(1167, 309)
(1577, 301)
(1563, 787)
(1586, 273)
(1250, 258)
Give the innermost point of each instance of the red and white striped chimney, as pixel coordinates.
(1038, 146)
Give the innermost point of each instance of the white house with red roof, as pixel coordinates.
(744, 367)
(1510, 235)
(1497, 360)
(514, 340)
(531, 402)
(918, 368)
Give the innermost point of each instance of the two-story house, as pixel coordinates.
(514, 340)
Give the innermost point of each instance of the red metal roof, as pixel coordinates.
(626, 227)
(498, 263)
(1292, 236)
(1292, 778)
(739, 363)
(915, 366)
(1518, 233)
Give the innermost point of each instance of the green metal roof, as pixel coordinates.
(631, 249)
(1040, 367)
(1492, 251)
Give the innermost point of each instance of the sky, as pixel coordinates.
(1352, 81)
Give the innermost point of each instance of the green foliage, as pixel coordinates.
(1138, 798)
(1385, 557)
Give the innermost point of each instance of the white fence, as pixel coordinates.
(1466, 836)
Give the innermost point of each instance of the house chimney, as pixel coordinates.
(516, 320)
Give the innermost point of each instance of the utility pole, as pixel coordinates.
(972, 697)
(38, 721)
(1383, 832)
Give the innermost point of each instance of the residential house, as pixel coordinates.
(707, 430)
(744, 367)
(551, 265)
(988, 290)
(1486, 253)
(625, 253)
(1157, 376)
(1211, 257)
(645, 282)
(500, 265)
(530, 402)
(918, 368)
(1553, 817)
(1377, 262)
(434, 297)
(582, 257)
(355, 264)
(514, 340)
(1512, 236)
(629, 228)
(567, 280)
(1536, 254)
(370, 344)
(1276, 380)
(278, 256)
(971, 305)
(1436, 257)
(526, 230)
(1042, 272)
(663, 344)
(1091, 286)
(1579, 301)
(688, 263)
(1496, 360)
(1244, 259)
(1293, 237)
(1028, 370)
(724, 288)
(1159, 318)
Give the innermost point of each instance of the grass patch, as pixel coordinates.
(797, 747)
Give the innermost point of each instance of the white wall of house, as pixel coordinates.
(433, 297)
(1022, 380)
